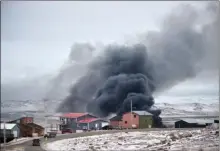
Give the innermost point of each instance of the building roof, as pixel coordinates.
(142, 112)
(116, 118)
(35, 125)
(89, 120)
(32, 125)
(73, 115)
(18, 119)
(8, 126)
(198, 121)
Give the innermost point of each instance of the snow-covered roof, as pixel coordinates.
(198, 121)
(8, 126)
(142, 112)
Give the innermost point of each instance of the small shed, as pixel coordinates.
(11, 131)
(91, 124)
(192, 123)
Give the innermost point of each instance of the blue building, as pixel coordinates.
(92, 124)
(80, 121)
(11, 131)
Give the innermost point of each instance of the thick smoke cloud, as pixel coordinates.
(128, 76)
(123, 73)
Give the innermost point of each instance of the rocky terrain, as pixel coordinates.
(174, 140)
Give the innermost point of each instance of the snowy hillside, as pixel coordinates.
(188, 108)
(17, 108)
(167, 108)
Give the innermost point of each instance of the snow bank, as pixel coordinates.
(19, 141)
(151, 140)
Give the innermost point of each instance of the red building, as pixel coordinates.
(116, 121)
(70, 120)
(129, 119)
(136, 119)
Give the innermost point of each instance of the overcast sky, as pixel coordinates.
(36, 36)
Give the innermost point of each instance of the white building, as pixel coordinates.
(11, 130)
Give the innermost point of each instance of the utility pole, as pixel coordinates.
(4, 137)
(45, 114)
(131, 114)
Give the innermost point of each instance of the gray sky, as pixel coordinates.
(37, 36)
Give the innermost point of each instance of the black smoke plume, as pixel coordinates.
(124, 73)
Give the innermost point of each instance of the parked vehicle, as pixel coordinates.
(36, 142)
(52, 134)
(107, 127)
(68, 130)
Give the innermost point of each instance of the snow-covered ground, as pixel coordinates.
(19, 140)
(175, 140)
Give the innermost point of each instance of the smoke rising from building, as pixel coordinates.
(162, 59)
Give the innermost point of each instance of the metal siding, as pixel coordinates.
(145, 121)
(92, 124)
(115, 123)
(127, 117)
(85, 117)
(72, 124)
(16, 128)
(82, 125)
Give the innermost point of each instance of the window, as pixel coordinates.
(134, 116)
(126, 122)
